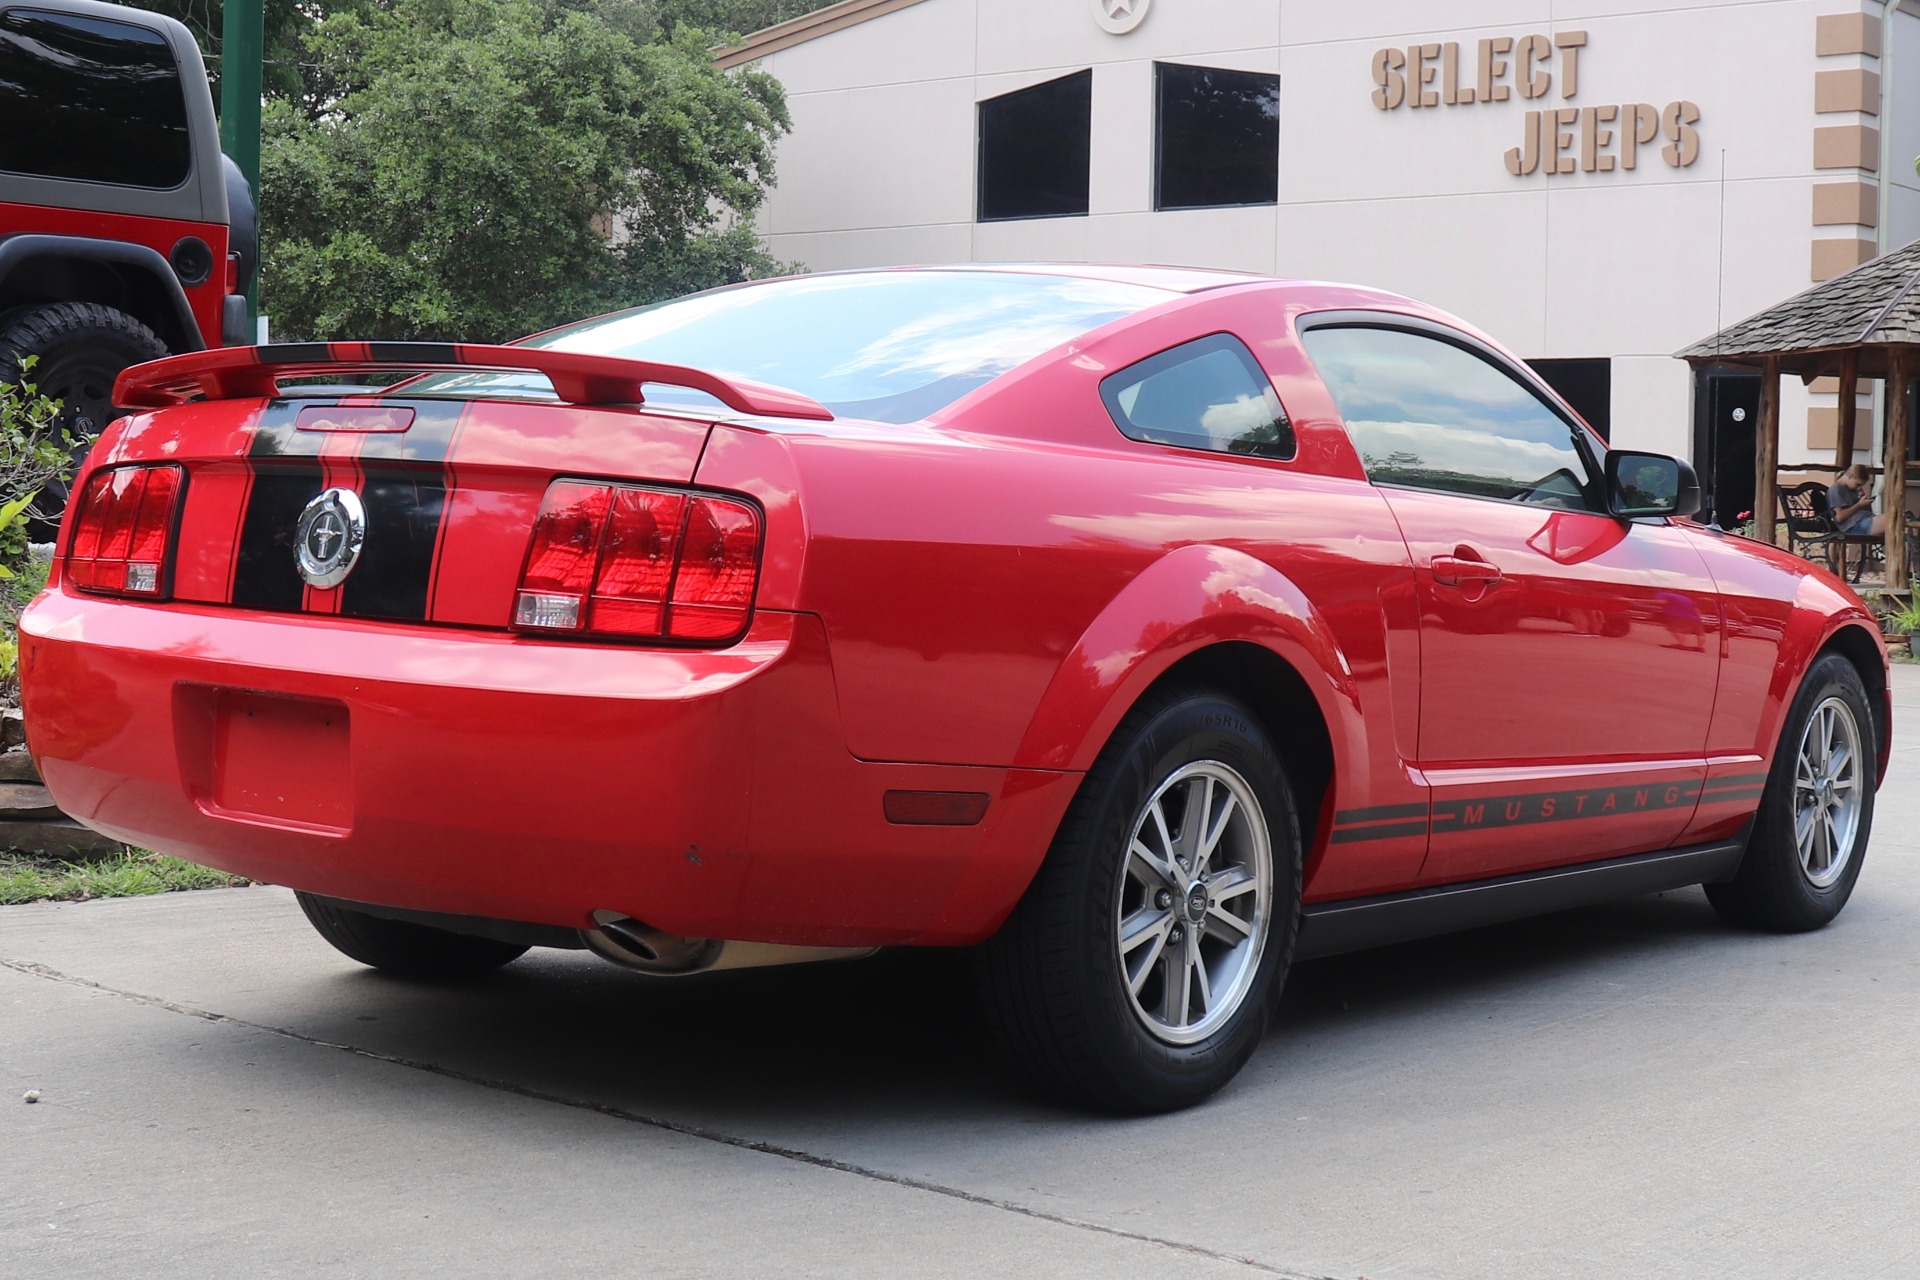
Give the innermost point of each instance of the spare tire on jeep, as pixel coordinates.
(79, 349)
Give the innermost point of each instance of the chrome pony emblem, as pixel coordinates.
(328, 538)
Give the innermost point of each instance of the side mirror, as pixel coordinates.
(1650, 484)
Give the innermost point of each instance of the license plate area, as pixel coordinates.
(266, 758)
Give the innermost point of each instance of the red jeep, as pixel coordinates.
(125, 234)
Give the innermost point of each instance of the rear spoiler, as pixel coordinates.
(243, 373)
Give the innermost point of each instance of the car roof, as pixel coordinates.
(1171, 279)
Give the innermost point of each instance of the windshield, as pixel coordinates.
(889, 346)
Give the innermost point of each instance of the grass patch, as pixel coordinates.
(131, 873)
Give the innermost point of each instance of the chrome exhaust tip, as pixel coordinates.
(626, 941)
(641, 947)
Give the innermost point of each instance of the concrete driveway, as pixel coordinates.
(1632, 1090)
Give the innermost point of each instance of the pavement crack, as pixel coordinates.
(700, 1132)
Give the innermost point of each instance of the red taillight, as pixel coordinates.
(620, 560)
(719, 559)
(560, 563)
(122, 531)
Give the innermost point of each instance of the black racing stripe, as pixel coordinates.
(1742, 793)
(1379, 813)
(404, 509)
(1387, 831)
(265, 574)
(1737, 780)
(427, 440)
(423, 352)
(296, 353)
(276, 435)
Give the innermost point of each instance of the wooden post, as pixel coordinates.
(1766, 456)
(1893, 494)
(1849, 398)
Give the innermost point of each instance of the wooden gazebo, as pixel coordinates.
(1864, 324)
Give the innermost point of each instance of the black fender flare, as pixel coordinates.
(18, 250)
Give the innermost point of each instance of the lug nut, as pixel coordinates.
(1163, 899)
(1176, 934)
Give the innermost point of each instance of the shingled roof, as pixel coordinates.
(1875, 304)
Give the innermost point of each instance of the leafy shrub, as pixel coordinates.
(33, 450)
(1906, 618)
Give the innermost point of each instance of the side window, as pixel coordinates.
(90, 99)
(1209, 394)
(1427, 414)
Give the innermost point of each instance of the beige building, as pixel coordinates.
(1597, 183)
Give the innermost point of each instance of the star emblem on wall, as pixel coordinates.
(1118, 17)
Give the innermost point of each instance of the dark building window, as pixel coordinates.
(1587, 385)
(1035, 148)
(90, 99)
(1218, 138)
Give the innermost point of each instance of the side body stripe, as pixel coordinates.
(1509, 809)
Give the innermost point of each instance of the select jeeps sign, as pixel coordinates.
(1538, 68)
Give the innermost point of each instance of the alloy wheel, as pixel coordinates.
(1827, 789)
(1195, 902)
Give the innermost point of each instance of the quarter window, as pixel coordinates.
(90, 99)
(1217, 140)
(1036, 150)
(1428, 414)
(1210, 394)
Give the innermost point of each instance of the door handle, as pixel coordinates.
(1451, 571)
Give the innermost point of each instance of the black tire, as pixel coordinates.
(1052, 978)
(1775, 889)
(403, 949)
(81, 347)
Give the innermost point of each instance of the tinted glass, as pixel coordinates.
(1218, 141)
(1431, 415)
(892, 346)
(1035, 150)
(90, 99)
(1210, 394)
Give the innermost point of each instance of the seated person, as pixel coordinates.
(1851, 498)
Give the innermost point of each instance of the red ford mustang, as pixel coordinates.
(1155, 629)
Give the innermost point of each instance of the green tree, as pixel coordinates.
(735, 17)
(483, 168)
(291, 72)
(287, 71)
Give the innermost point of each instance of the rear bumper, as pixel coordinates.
(707, 793)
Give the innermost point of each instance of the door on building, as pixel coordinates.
(1567, 658)
(1726, 410)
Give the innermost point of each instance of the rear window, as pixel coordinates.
(885, 346)
(92, 100)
